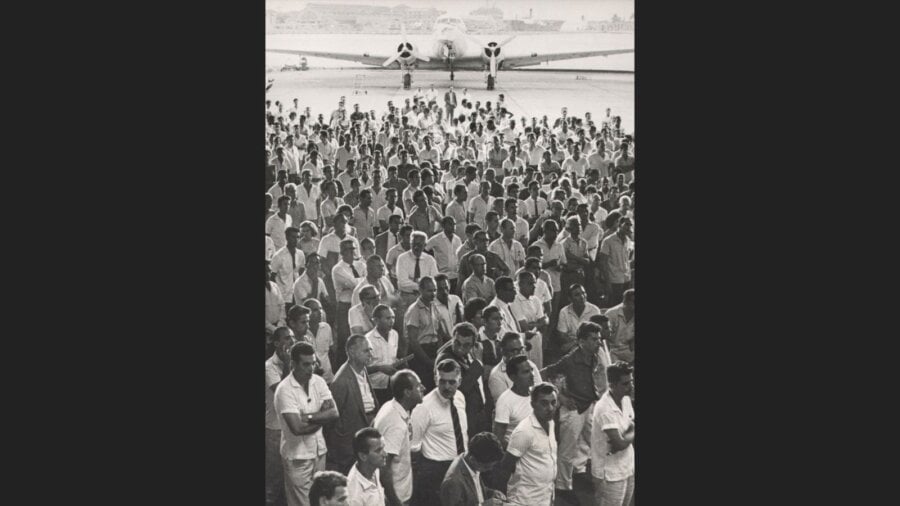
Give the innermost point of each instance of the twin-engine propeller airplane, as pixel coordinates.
(452, 49)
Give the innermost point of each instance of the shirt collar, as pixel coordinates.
(404, 414)
(363, 481)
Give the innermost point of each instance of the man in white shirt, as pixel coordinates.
(514, 405)
(412, 266)
(277, 368)
(614, 260)
(612, 450)
(457, 209)
(511, 251)
(439, 427)
(363, 482)
(572, 316)
(529, 311)
(393, 423)
(443, 246)
(287, 264)
(345, 276)
(308, 194)
(531, 452)
(279, 222)
(621, 323)
(304, 404)
(511, 345)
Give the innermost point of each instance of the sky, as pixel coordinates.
(567, 10)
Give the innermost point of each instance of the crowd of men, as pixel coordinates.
(449, 305)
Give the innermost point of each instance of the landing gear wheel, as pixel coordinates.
(451, 75)
(490, 83)
(407, 81)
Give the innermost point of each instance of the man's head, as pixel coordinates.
(329, 488)
(551, 230)
(282, 339)
(461, 193)
(526, 283)
(406, 236)
(573, 225)
(589, 337)
(298, 320)
(447, 378)
(283, 202)
(418, 240)
(620, 379)
(485, 452)
(464, 337)
(544, 401)
(384, 318)
(505, 288)
(449, 224)
(368, 297)
(368, 446)
(427, 289)
(315, 311)
(303, 360)
(518, 368)
(577, 295)
(511, 345)
(367, 246)
(406, 386)
(359, 351)
(507, 229)
(292, 235)
(624, 230)
(348, 247)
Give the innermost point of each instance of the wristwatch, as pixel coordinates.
(309, 417)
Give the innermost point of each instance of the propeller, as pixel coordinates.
(405, 50)
(492, 53)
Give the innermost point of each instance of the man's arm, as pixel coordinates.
(617, 441)
(506, 467)
(500, 431)
(387, 481)
(412, 342)
(453, 494)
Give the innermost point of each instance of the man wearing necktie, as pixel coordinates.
(450, 102)
(345, 276)
(412, 266)
(471, 383)
(439, 426)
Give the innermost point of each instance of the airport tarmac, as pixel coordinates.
(526, 93)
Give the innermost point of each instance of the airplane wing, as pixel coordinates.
(537, 58)
(364, 58)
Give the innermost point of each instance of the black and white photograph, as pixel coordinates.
(450, 253)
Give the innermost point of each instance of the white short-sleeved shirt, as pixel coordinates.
(275, 228)
(569, 321)
(274, 370)
(321, 342)
(479, 209)
(499, 382)
(357, 317)
(392, 421)
(386, 290)
(361, 491)
(286, 271)
(607, 415)
(511, 409)
(432, 426)
(555, 252)
(270, 248)
(617, 251)
(513, 256)
(331, 243)
(384, 351)
(529, 485)
(445, 253)
(290, 397)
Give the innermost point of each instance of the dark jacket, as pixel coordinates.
(458, 487)
(339, 434)
(479, 410)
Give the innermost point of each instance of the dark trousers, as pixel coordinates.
(427, 477)
(342, 331)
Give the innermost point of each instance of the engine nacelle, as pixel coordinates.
(407, 54)
(492, 49)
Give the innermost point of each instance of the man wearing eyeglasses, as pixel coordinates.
(471, 383)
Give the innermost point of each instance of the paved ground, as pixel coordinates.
(527, 93)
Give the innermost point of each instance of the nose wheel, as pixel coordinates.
(451, 75)
(407, 81)
(490, 82)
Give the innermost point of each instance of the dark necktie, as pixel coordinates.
(355, 273)
(459, 317)
(417, 273)
(395, 239)
(314, 287)
(457, 430)
(535, 208)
